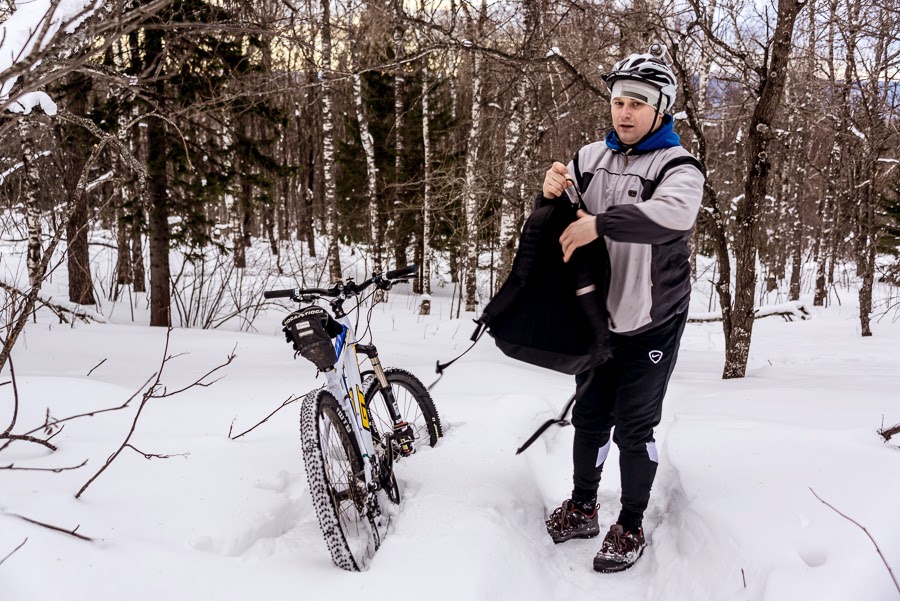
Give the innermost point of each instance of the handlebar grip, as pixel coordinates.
(278, 293)
(403, 271)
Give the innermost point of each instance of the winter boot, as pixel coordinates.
(570, 521)
(620, 550)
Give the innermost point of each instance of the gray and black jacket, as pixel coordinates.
(646, 206)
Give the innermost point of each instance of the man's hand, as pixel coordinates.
(580, 232)
(555, 181)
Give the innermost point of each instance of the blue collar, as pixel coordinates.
(664, 137)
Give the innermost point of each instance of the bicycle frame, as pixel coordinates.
(345, 383)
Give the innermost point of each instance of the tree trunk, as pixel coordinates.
(425, 266)
(471, 196)
(772, 80)
(157, 159)
(81, 285)
(331, 213)
(869, 243)
(32, 206)
(511, 210)
(123, 264)
(138, 274)
(453, 65)
(376, 242)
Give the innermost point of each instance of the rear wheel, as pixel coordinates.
(414, 402)
(334, 469)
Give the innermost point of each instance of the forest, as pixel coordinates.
(211, 146)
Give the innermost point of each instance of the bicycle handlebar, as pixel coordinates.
(402, 272)
(292, 292)
(347, 289)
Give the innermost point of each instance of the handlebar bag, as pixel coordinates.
(311, 330)
(550, 313)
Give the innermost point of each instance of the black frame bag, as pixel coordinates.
(311, 330)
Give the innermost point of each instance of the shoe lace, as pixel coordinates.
(560, 517)
(617, 539)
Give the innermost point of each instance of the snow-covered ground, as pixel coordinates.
(732, 517)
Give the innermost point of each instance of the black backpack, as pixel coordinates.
(550, 313)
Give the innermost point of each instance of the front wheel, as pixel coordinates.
(335, 472)
(413, 401)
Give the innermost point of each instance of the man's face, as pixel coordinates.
(632, 119)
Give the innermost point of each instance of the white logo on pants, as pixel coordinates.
(655, 356)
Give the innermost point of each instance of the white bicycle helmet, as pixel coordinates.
(649, 68)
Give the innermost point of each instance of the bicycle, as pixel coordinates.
(355, 427)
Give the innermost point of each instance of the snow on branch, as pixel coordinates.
(44, 40)
(59, 308)
(789, 311)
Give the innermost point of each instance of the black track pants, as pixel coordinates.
(627, 393)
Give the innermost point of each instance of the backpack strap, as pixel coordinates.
(583, 180)
(650, 185)
(579, 178)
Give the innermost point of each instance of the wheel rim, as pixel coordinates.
(410, 412)
(345, 486)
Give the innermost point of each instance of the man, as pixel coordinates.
(642, 192)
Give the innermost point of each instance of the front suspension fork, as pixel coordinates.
(403, 433)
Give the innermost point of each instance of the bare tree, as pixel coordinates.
(331, 213)
(471, 191)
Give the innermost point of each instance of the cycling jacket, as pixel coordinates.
(646, 205)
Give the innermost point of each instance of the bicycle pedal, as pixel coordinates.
(404, 438)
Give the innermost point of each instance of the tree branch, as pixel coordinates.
(55, 470)
(58, 310)
(154, 455)
(286, 402)
(10, 554)
(52, 527)
(886, 434)
(12, 437)
(863, 528)
(15, 415)
(152, 393)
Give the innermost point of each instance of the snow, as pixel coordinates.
(732, 516)
(18, 34)
(19, 165)
(24, 103)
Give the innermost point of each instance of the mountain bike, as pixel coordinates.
(358, 424)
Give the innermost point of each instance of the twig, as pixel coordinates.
(52, 527)
(95, 367)
(12, 378)
(48, 423)
(56, 309)
(154, 455)
(26, 438)
(10, 554)
(55, 470)
(286, 402)
(886, 434)
(863, 528)
(151, 393)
